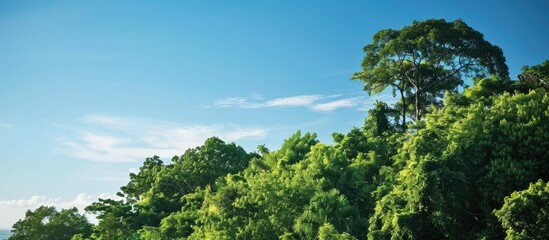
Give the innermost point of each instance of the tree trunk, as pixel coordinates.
(418, 105)
(403, 108)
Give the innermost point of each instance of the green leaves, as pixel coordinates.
(536, 76)
(525, 213)
(424, 60)
(462, 165)
(167, 197)
(48, 223)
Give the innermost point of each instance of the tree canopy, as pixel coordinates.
(49, 224)
(424, 60)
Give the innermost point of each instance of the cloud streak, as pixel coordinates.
(241, 102)
(333, 105)
(132, 140)
(308, 101)
(316, 103)
(303, 100)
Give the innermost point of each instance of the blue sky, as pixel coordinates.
(88, 89)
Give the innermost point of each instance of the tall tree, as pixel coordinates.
(426, 59)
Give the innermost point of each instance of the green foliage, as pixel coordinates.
(150, 233)
(325, 207)
(180, 223)
(48, 223)
(117, 219)
(462, 165)
(525, 214)
(262, 204)
(296, 147)
(536, 76)
(141, 182)
(167, 197)
(424, 60)
(328, 232)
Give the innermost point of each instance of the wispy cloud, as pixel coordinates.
(232, 102)
(333, 105)
(140, 138)
(14, 209)
(5, 125)
(302, 100)
(241, 102)
(316, 102)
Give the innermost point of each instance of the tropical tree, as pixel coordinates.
(49, 224)
(160, 195)
(424, 60)
(325, 207)
(460, 167)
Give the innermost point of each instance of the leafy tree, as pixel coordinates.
(142, 181)
(179, 224)
(159, 195)
(537, 76)
(381, 120)
(48, 223)
(462, 165)
(325, 207)
(353, 143)
(150, 233)
(117, 219)
(294, 148)
(525, 214)
(425, 59)
(328, 232)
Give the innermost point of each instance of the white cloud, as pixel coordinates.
(331, 106)
(241, 102)
(5, 125)
(302, 100)
(231, 102)
(315, 102)
(140, 139)
(13, 210)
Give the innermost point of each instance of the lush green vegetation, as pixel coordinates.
(471, 165)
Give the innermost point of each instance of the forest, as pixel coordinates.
(463, 154)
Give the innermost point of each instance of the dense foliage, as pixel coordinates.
(475, 167)
(424, 60)
(49, 224)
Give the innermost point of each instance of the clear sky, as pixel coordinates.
(89, 89)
